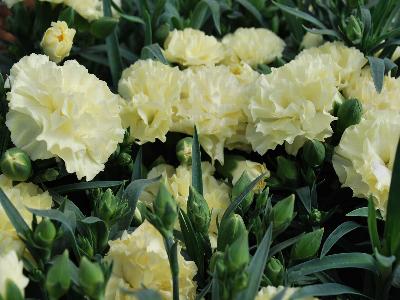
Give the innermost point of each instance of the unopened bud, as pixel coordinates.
(229, 230)
(308, 245)
(58, 279)
(287, 171)
(198, 211)
(239, 187)
(349, 113)
(45, 233)
(275, 271)
(313, 153)
(282, 214)
(184, 150)
(91, 278)
(165, 208)
(16, 164)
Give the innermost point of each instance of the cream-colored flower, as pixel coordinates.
(253, 170)
(178, 181)
(269, 292)
(253, 46)
(364, 158)
(65, 112)
(291, 102)
(311, 40)
(11, 3)
(150, 89)
(139, 259)
(22, 195)
(361, 86)
(347, 61)
(213, 99)
(11, 268)
(57, 41)
(88, 9)
(191, 47)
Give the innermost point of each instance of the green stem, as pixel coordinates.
(172, 251)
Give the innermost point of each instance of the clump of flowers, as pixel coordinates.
(139, 259)
(190, 47)
(253, 46)
(364, 158)
(75, 118)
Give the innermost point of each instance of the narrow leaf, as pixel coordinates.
(132, 19)
(335, 261)
(199, 15)
(137, 166)
(197, 177)
(325, 289)
(337, 234)
(215, 12)
(253, 10)
(256, 267)
(377, 71)
(373, 226)
(392, 232)
(84, 186)
(153, 51)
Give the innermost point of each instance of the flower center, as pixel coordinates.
(61, 37)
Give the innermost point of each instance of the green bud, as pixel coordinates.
(16, 164)
(315, 216)
(165, 208)
(275, 271)
(85, 246)
(58, 279)
(287, 171)
(45, 233)
(12, 291)
(349, 113)
(354, 29)
(162, 33)
(314, 153)
(103, 27)
(238, 189)
(241, 281)
(237, 254)
(282, 214)
(308, 245)
(217, 256)
(184, 150)
(229, 230)
(50, 174)
(262, 199)
(110, 208)
(198, 211)
(124, 159)
(91, 278)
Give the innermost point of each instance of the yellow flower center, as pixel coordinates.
(60, 37)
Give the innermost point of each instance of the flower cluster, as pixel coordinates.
(139, 259)
(76, 118)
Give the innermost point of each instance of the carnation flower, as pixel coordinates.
(361, 86)
(270, 292)
(11, 268)
(65, 112)
(22, 196)
(364, 158)
(150, 89)
(347, 61)
(57, 41)
(292, 102)
(213, 99)
(191, 47)
(311, 40)
(253, 46)
(178, 181)
(139, 259)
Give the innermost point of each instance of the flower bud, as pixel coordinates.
(91, 278)
(217, 256)
(124, 159)
(229, 230)
(274, 271)
(198, 211)
(262, 199)
(184, 150)
(109, 208)
(16, 164)
(313, 153)
(238, 189)
(237, 254)
(354, 29)
(241, 281)
(45, 233)
(57, 41)
(58, 279)
(49, 174)
(165, 208)
(315, 216)
(349, 113)
(308, 245)
(282, 214)
(287, 171)
(85, 246)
